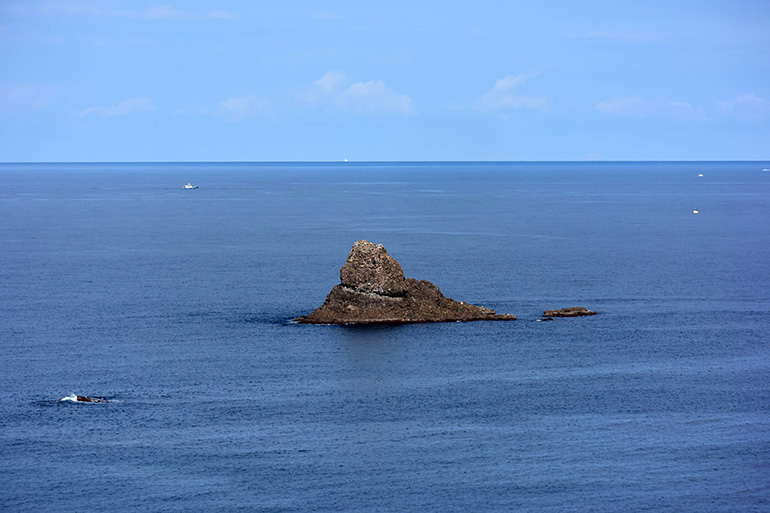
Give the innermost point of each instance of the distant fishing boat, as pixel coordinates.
(695, 211)
(190, 186)
(701, 174)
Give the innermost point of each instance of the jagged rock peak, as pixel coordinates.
(373, 289)
(369, 268)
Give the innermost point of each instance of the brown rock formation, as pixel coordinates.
(373, 289)
(86, 399)
(572, 311)
(370, 269)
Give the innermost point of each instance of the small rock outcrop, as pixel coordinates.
(572, 311)
(373, 289)
(84, 399)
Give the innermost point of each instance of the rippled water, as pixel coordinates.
(175, 306)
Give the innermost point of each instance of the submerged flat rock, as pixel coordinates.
(373, 289)
(572, 311)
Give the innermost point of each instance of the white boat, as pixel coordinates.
(695, 211)
(190, 186)
(700, 174)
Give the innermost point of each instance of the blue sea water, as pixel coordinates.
(176, 306)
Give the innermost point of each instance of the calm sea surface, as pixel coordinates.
(176, 306)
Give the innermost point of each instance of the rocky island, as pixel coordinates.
(373, 289)
(572, 311)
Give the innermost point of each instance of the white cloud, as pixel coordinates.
(123, 108)
(369, 97)
(238, 109)
(504, 97)
(160, 12)
(331, 81)
(625, 106)
(322, 90)
(641, 107)
(746, 107)
(372, 97)
(167, 12)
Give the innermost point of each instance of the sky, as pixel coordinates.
(227, 80)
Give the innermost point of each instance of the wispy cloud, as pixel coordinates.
(82, 8)
(505, 97)
(123, 108)
(369, 97)
(373, 97)
(238, 109)
(323, 90)
(746, 107)
(167, 12)
(641, 107)
(624, 37)
(60, 8)
(331, 82)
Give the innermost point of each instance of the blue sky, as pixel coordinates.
(325, 81)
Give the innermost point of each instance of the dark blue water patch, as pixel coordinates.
(177, 308)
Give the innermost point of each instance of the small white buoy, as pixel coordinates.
(695, 211)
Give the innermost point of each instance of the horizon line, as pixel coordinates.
(346, 161)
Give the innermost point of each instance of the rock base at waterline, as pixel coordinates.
(572, 311)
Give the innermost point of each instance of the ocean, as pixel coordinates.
(176, 306)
